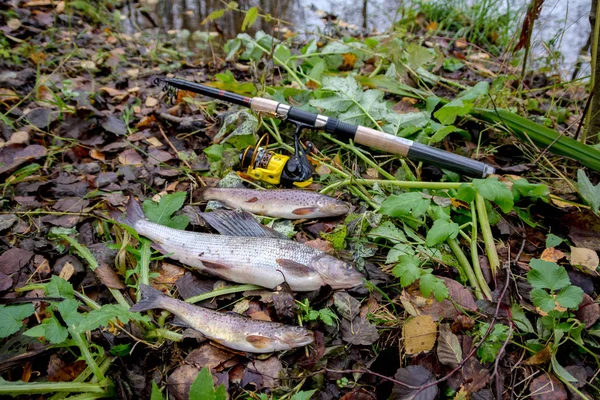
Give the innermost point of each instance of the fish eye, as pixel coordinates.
(299, 329)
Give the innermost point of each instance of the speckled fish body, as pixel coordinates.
(230, 330)
(278, 203)
(262, 261)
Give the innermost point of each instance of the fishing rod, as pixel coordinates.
(299, 167)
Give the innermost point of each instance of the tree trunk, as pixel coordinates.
(594, 114)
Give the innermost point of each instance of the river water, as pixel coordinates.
(563, 25)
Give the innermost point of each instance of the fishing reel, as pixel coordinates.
(264, 165)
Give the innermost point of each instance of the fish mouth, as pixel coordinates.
(299, 340)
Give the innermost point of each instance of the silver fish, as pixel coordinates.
(230, 330)
(262, 261)
(278, 203)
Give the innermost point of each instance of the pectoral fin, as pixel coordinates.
(260, 342)
(252, 200)
(292, 267)
(304, 210)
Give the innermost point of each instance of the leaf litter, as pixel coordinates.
(70, 153)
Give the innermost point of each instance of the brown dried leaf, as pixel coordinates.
(130, 157)
(587, 259)
(414, 375)
(542, 357)
(551, 254)
(208, 356)
(359, 332)
(320, 244)
(547, 387)
(108, 276)
(419, 334)
(449, 350)
(589, 311)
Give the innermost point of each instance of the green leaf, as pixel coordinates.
(440, 231)
(547, 275)
(121, 350)
(452, 64)
(560, 371)
(303, 395)
(250, 18)
(407, 270)
(58, 287)
(239, 129)
(543, 300)
(337, 237)
(214, 152)
(156, 394)
(589, 192)
(520, 319)
(203, 387)
(418, 56)
(68, 311)
(494, 190)
(428, 283)
(405, 204)
(570, 297)
(388, 231)
(97, 318)
(462, 104)
(553, 240)
(441, 133)
(489, 349)
(161, 212)
(397, 251)
(346, 89)
(522, 188)
(327, 316)
(11, 318)
(55, 332)
(466, 193)
(216, 14)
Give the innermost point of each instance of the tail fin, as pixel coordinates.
(151, 298)
(133, 213)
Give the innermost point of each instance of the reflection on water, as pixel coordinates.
(563, 24)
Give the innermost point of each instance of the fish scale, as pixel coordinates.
(262, 261)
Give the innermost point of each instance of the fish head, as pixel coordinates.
(295, 336)
(330, 206)
(337, 273)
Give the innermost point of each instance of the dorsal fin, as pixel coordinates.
(238, 223)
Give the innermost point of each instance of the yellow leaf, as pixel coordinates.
(551, 254)
(419, 334)
(587, 259)
(433, 25)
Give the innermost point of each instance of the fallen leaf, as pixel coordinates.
(130, 157)
(358, 394)
(432, 26)
(13, 259)
(8, 96)
(115, 125)
(154, 142)
(552, 254)
(108, 277)
(59, 371)
(542, 357)
(589, 311)
(13, 24)
(168, 275)
(320, 244)
(67, 271)
(96, 155)
(259, 315)
(180, 380)
(269, 370)
(419, 334)
(359, 332)
(41, 117)
(208, 356)
(547, 387)
(151, 101)
(414, 375)
(586, 258)
(7, 220)
(584, 229)
(449, 350)
(348, 307)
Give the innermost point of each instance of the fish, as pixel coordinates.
(228, 329)
(277, 203)
(262, 261)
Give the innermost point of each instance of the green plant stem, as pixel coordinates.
(105, 363)
(93, 263)
(145, 253)
(164, 334)
(360, 155)
(466, 266)
(8, 388)
(486, 232)
(360, 194)
(290, 72)
(377, 68)
(485, 289)
(220, 292)
(401, 184)
(85, 353)
(91, 396)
